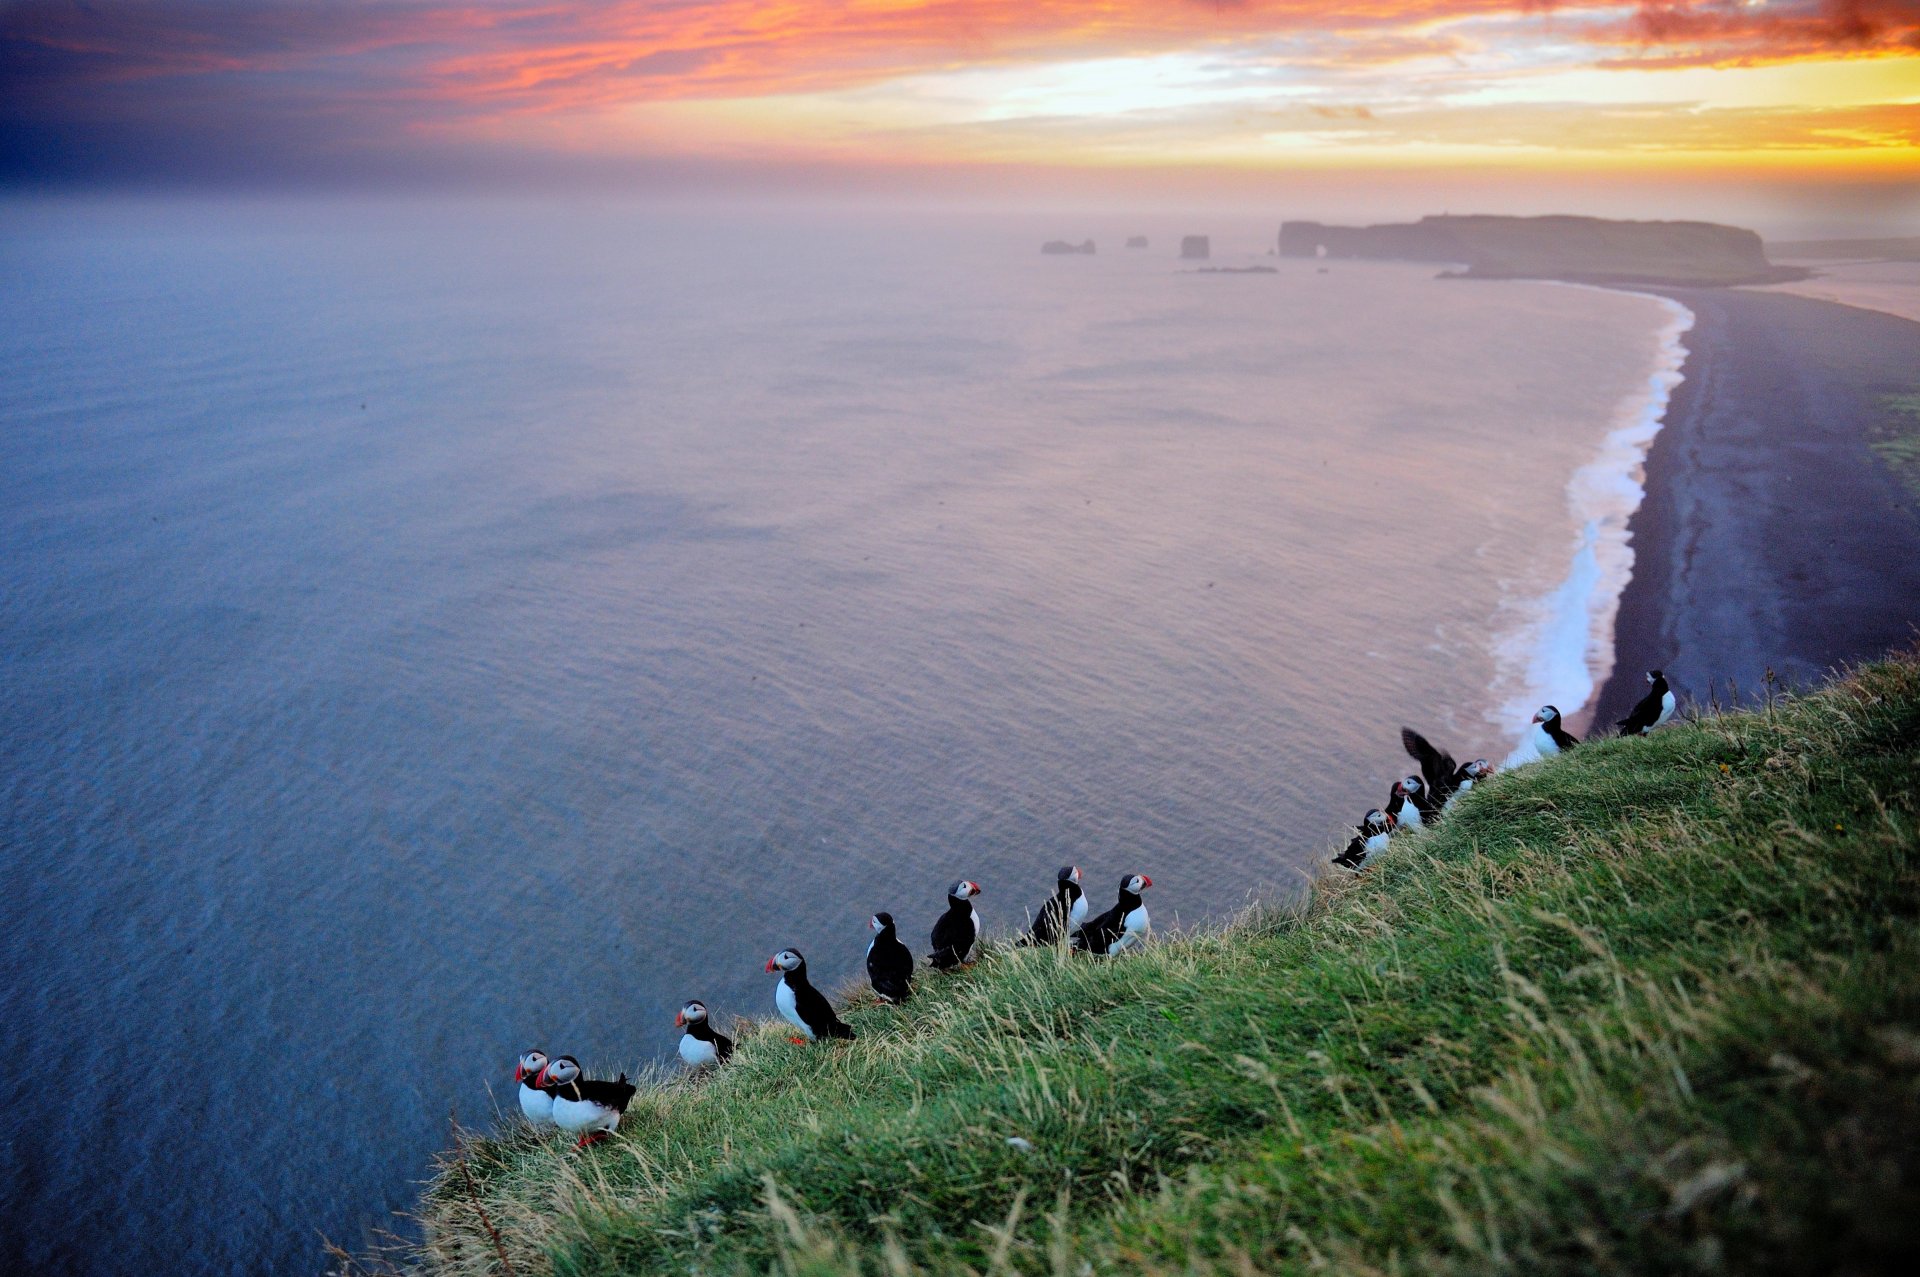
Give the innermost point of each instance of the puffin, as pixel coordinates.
(1654, 709)
(582, 1106)
(802, 1005)
(1445, 779)
(1063, 912)
(536, 1102)
(700, 1046)
(1369, 840)
(958, 929)
(1548, 736)
(1121, 927)
(1478, 769)
(889, 962)
(1407, 803)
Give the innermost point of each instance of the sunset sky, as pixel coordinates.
(1801, 91)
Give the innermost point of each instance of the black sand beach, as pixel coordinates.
(1770, 537)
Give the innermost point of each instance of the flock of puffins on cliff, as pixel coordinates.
(556, 1093)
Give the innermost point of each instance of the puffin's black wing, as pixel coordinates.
(722, 1047)
(611, 1095)
(1355, 853)
(1099, 934)
(1048, 923)
(1644, 715)
(953, 935)
(818, 1012)
(1436, 766)
(890, 968)
(1561, 736)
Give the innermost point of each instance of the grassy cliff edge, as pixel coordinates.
(1649, 1007)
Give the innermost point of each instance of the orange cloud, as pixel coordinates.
(1724, 33)
(549, 55)
(365, 74)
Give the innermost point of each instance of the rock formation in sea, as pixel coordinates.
(1059, 246)
(1595, 249)
(1136, 241)
(1196, 246)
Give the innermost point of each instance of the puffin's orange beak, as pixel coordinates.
(519, 1072)
(679, 1019)
(1145, 881)
(769, 965)
(539, 1079)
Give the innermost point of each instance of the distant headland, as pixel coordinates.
(1583, 249)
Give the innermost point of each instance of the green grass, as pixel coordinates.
(1896, 440)
(1650, 1007)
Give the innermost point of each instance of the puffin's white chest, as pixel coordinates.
(575, 1116)
(1454, 797)
(1377, 843)
(1410, 814)
(969, 934)
(695, 1053)
(1077, 916)
(1543, 743)
(789, 1008)
(1133, 929)
(1666, 708)
(536, 1106)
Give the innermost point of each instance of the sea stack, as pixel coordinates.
(1196, 248)
(1136, 241)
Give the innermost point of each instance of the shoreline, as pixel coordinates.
(1769, 536)
(1567, 650)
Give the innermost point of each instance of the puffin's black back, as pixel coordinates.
(705, 1032)
(812, 1006)
(1356, 851)
(1100, 933)
(612, 1095)
(1050, 922)
(1647, 712)
(890, 964)
(953, 935)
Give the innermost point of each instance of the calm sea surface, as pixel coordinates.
(433, 631)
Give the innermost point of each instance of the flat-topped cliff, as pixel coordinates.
(1594, 249)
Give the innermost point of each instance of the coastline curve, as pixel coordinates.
(1562, 651)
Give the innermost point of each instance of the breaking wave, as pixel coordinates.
(1563, 650)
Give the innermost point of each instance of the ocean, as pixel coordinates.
(436, 629)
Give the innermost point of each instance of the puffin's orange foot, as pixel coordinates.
(588, 1141)
(799, 1041)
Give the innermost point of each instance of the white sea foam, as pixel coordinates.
(1562, 650)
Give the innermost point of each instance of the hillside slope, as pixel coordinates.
(1648, 1007)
